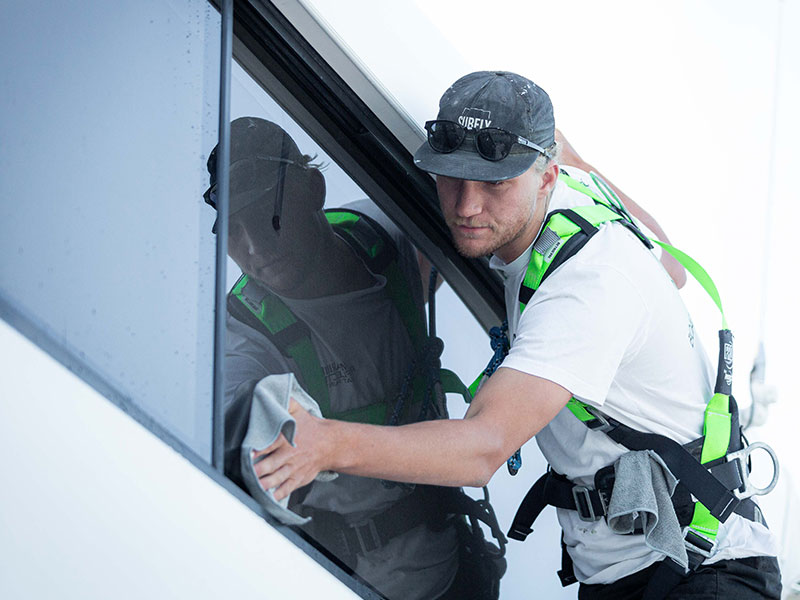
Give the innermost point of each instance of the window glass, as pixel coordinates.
(334, 301)
(108, 112)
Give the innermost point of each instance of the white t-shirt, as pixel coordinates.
(610, 327)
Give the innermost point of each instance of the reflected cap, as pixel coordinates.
(496, 99)
(259, 148)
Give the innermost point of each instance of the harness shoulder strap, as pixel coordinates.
(262, 310)
(566, 231)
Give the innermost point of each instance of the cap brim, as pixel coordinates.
(468, 164)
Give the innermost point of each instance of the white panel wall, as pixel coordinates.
(95, 506)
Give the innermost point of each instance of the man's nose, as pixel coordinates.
(469, 202)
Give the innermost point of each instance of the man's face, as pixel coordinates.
(279, 259)
(499, 218)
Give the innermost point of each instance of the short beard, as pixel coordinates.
(468, 252)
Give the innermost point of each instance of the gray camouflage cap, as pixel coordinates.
(496, 99)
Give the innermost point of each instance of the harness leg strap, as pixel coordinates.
(533, 504)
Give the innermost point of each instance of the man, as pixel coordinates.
(607, 327)
(302, 267)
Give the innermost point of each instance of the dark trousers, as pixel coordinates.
(754, 578)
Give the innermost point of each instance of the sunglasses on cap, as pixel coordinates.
(491, 143)
(246, 175)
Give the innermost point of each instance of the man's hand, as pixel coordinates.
(286, 467)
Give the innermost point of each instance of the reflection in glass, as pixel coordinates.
(335, 297)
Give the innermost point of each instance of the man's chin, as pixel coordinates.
(473, 250)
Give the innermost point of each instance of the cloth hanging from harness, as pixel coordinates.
(721, 491)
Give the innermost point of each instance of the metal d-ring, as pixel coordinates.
(743, 456)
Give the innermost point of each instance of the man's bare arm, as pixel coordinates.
(569, 157)
(509, 409)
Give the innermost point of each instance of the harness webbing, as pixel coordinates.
(379, 252)
(257, 307)
(566, 231)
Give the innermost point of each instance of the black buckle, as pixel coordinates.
(359, 539)
(519, 532)
(600, 422)
(566, 577)
(583, 503)
(368, 537)
(697, 543)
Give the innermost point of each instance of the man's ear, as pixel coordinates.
(316, 188)
(549, 179)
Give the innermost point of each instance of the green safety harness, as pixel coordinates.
(256, 306)
(713, 470)
(424, 382)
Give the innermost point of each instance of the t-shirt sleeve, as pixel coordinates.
(578, 329)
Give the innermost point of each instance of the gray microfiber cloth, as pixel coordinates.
(269, 417)
(643, 486)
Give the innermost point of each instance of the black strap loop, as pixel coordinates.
(706, 488)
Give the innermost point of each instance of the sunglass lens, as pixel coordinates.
(210, 196)
(445, 136)
(493, 144)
